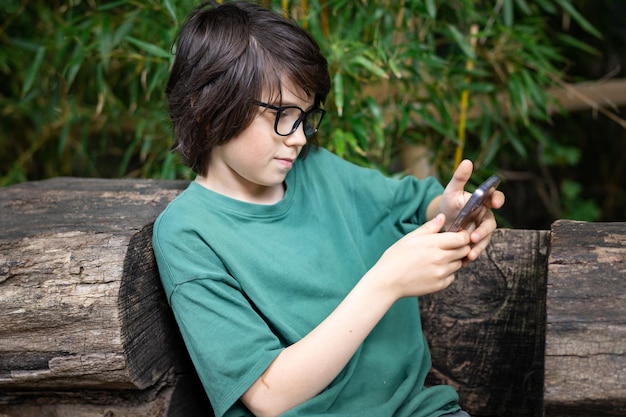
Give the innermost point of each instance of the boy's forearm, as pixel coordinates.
(306, 368)
(433, 208)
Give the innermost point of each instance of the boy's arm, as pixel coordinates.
(304, 369)
(433, 208)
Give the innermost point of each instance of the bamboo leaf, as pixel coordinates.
(25, 44)
(33, 70)
(584, 23)
(149, 48)
(123, 30)
(67, 127)
(158, 78)
(370, 66)
(507, 12)
(395, 69)
(350, 140)
(338, 142)
(106, 42)
(578, 44)
(171, 11)
(431, 9)
(433, 123)
(167, 167)
(338, 90)
(523, 6)
(546, 5)
(75, 63)
(461, 41)
(480, 87)
(112, 5)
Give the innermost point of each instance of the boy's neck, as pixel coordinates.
(253, 194)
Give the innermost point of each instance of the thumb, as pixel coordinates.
(432, 226)
(460, 177)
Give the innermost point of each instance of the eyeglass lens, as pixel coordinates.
(288, 119)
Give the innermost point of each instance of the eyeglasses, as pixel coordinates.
(288, 119)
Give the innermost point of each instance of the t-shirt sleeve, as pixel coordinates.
(411, 198)
(379, 198)
(228, 342)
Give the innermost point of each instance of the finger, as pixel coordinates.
(432, 226)
(460, 177)
(455, 241)
(485, 225)
(461, 253)
(497, 200)
(477, 249)
(442, 283)
(447, 281)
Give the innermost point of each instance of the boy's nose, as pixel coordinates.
(297, 138)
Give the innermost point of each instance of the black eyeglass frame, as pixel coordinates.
(302, 119)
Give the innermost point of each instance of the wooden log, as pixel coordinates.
(69, 317)
(175, 395)
(83, 319)
(486, 330)
(586, 320)
(85, 329)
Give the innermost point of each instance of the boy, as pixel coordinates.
(293, 274)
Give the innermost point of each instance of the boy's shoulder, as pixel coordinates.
(324, 159)
(180, 208)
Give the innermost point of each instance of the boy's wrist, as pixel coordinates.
(433, 208)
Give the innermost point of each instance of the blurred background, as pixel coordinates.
(534, 90)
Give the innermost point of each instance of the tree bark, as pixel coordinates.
(79, 309)
(85, 328)
(486, 330)
(174, 395)
(586, 320)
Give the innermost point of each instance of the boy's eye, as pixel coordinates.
(289, 111)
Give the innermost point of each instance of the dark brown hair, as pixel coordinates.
(225, 56)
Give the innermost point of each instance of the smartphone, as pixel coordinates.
(472, 207)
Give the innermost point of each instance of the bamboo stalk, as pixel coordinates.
(285, 7)
(324, 19)
(458, 156)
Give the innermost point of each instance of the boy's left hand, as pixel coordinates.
(454, 198)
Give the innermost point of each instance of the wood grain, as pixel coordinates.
(85, 329)
(67, 280)
(486, 330)
(586, 320)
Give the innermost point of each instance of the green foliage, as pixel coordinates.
(84, 92)
(85, 95)
(401, 69)
(574, 206)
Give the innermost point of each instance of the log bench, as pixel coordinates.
(537, 326)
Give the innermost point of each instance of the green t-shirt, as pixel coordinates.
(245, 281)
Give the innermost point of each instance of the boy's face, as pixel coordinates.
(253, 165)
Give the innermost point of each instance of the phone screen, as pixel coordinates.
(472, 207)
